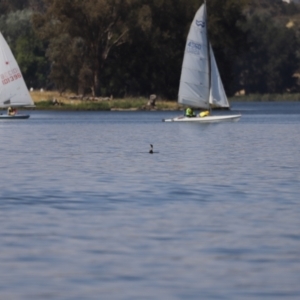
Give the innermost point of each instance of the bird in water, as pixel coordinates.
(151, 150)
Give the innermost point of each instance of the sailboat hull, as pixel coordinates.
(208, 119)
(7, 117)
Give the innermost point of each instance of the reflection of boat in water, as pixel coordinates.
(200, 83)
(13, 90)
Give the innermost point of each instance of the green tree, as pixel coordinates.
(270, 62)
(101, 25)
(150, 62)
(68, 64)
(7, 6)
(154, 57)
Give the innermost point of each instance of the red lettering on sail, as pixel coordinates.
(10, 76)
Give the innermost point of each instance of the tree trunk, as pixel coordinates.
(97, 85)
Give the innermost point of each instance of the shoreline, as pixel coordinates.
(70, 102)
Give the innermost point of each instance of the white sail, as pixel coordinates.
(200, 82)
(13, 90)
(194, 81)
(197, 87)
(217, 97)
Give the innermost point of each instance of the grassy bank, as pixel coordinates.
(55, 101)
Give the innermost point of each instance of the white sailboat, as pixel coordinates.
(200, 83)
(13, 90)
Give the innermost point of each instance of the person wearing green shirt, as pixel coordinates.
(189, 112)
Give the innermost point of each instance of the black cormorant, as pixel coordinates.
(151, 150)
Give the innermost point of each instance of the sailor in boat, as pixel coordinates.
(204, 114)
(11, 111)
(189, 112)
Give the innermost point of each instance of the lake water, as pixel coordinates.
(87, 213)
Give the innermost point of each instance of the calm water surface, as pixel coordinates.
(87, 213)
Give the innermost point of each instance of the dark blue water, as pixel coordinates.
(87, 213)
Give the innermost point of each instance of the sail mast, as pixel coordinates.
(208, 56)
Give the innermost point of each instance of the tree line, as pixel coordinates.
(135, 47)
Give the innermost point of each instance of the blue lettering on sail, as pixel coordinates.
(193, 47)
(200, 23)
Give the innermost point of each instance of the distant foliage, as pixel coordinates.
(99, 25)
(270, 62)
(135, 47)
